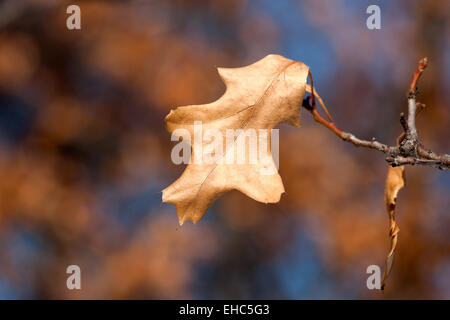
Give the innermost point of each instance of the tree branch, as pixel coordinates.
(409, 150)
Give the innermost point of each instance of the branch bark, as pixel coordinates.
(409, 151)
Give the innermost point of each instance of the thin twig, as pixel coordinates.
(410, 151)
(423, 63)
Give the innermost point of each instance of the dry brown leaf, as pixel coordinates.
(395, 180)
(258, 96)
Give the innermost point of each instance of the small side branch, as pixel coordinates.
(401, 161)
(410, 150)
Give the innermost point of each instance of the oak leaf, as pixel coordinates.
(258, 96)
(395, 180)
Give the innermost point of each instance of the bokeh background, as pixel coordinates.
(84, 153)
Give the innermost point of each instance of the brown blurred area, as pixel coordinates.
(84, 152)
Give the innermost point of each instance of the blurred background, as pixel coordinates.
(84, 153)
